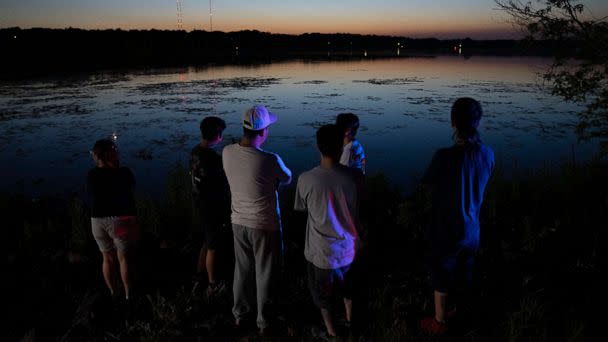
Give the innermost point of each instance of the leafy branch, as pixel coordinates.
(579, 72)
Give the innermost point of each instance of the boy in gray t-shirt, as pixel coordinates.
(329, 194)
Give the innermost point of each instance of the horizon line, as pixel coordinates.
(254, 30)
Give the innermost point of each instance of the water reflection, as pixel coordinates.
(48, 125)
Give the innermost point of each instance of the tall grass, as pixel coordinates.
(541, 263)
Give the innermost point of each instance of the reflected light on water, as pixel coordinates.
(403, 105)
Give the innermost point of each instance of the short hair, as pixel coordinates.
(330, 141)
(466, 114)
(212, 127)
(347, 121)
(251, 134)
(107, 151)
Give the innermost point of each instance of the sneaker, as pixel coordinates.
(343, 322)
(266, 332)
(320, 333)
(213, 287)
(130, 307)
(243, 325)
(432, 327)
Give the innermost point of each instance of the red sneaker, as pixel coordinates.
(432, 327)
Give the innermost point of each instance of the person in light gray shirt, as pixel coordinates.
(254, 176)
(329, 193)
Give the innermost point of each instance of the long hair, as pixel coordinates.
(107, 151)
(466, 114)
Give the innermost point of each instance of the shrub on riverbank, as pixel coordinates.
(539, 277)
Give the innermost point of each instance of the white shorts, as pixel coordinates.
(115, 232)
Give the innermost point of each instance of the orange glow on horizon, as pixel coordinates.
(477, 19)
(418, 27)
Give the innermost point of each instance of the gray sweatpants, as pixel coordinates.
(257, 254)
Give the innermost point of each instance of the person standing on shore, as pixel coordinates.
(329, 194)
(352, 153)
(457, 176)
(254, 176)
(211, 194)
(113, 216)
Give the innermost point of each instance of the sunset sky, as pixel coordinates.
(477, 19)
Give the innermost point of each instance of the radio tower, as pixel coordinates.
(180, 17)
(210, 17)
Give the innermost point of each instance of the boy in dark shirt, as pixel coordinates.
(457, 176)
(211, 192)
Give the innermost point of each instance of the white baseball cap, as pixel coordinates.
(258, 117)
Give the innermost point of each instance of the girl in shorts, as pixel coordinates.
(113, 218)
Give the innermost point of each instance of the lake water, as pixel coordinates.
(48, 126)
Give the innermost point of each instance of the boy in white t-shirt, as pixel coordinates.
(352, 153)
(254, 176)
(329, 194)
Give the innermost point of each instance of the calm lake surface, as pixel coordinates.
(48, 126)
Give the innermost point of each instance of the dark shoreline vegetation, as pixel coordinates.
(541, 275)
(68, 50)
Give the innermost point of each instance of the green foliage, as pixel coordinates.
(396, 307)
(166, 321)
(413, 213)
(580, 70)
(179, 206)
(179, 190)
(524, 323)
(543, 250)
(148, 216)
(543, 208)
(80, 221)
(174, 214)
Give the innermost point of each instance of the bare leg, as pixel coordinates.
(210, 263)
(202, 259)
(440, 306)
(109, 271)
(126, 272)
(348, 308)
(328, 322)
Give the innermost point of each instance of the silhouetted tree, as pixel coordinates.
(579, 72)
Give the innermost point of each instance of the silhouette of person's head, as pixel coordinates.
(105, 153)
(466, 114)
(348, 124)
(329, 141)
(212, 128)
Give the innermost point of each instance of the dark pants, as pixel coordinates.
(453, 272)
(322, 284)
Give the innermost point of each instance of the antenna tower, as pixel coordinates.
(180, 17)
(210, 17)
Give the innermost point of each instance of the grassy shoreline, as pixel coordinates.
(542, 262)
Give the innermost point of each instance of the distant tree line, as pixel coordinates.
(27, 52)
